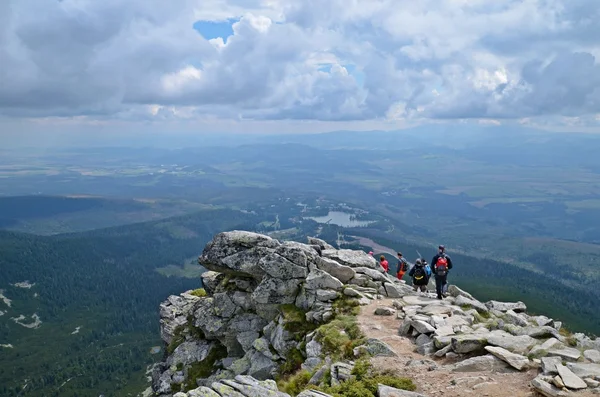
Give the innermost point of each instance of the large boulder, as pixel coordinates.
(352, 258)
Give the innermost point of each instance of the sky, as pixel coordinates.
(91, 66)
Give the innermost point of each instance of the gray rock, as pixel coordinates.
(422, 327)
(352, 292)
(224, 306)
(314, 349)
(542, 349)
(543, 320)
(340, 372)
(279, 267)
(567, 353)
(243, 300)
(190, 352)
(506, 306)
(443, 351)
(174, 312)
(386, 391)
(396, 290)
(517, 344)
(341, 272)
(326, 295)
(591, 383)
(225, 390)
(475, 304)
(277, 292)
(405, 327)
(281, 339)
(513, 318)
(488, 363)
(468, 343)
(570, 380)
(313, 393)
(426, 349)
(205, 318)
(321, 243)
(375, 348)
(384, 311)
(320, 374)
(423, 339)
(515, 360)
(210, 281)
(318, 279)
(352, 258)
(202, 391)
(549, 365)
(592, 355)
(261, 367)
(546, 389)
(454, 291)
(262, 345)
(585, 370)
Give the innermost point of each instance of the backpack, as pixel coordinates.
(441, 266)
(420, 275)
(403, 265)
(428, 270)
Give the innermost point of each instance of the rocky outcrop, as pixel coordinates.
(263, 297)
(264, 301)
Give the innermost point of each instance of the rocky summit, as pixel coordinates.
(271, 308)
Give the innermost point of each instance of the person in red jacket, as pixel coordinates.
(384, 263)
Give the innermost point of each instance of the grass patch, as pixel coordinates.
(347, 306)
(340, 337)
(365, 382)
(295, 320)
(294, 384)
(200, 292)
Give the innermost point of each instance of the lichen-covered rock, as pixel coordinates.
(352, 258)
(516, 361)
(337, 270)
(318, 279)
(506, 306)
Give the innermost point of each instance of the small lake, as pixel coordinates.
(339, 218)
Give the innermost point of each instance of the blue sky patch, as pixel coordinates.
(213, 29)
(358, 75)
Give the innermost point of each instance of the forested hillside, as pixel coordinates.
(104, 282)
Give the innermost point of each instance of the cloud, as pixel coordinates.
(300, 59)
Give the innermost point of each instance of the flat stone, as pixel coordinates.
(475, 304)
(387, 391)
(422, 327)
(445, 330)
(570, 380)
(512, 317)
(592, 355)
(478, 364)
(456, 292)
(585, 370)
(351, 258)
(544, 347)
(436, 310)
(591, 383)
(506, 306)
(443, 351)
(514, 360)
(567, 353)
(318, 279)
(468, 343)
(376, 348)
(549, 365)
(516, 344)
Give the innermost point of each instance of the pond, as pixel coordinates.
(339, 218)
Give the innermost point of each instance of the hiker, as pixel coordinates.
(419, 275)
(371, 253)
(440, 264)
(402, 266)
(384, 263)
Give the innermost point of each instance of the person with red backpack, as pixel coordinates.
(440, 265)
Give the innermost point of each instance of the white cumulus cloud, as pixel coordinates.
(301, 59)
